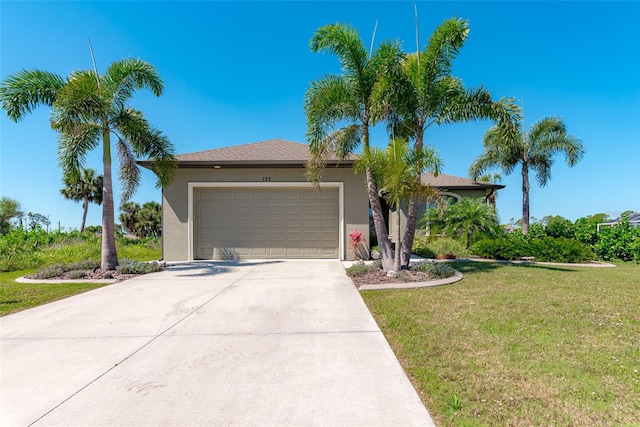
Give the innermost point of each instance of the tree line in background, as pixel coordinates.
(139, 221)
(473, 224)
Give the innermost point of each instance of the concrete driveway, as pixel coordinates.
(255, 343)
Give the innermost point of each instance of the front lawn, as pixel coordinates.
(20, 296)
(524, 345)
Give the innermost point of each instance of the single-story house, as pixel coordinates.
(634, 221)
(254, 201)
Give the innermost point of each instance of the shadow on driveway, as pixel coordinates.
(212, 268)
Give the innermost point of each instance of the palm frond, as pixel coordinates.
(125, 76)
(74, 144)
(128, 172)
(23, 91)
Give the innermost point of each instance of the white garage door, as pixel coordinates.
(266, 223)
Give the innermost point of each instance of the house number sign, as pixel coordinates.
(266, 179)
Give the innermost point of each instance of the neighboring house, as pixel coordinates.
(634, 221)
(254, 201)
(452, 188)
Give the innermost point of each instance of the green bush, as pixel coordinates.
(76, 274)
(502, 248)
(49, 272)
(87, 264)
(447, 245)
(360, 268)
(435, 270)
(560, 250)
(619, 242)
(515, 246)
(128, 266)
(421, 248)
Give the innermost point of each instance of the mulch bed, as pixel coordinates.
(379, 277)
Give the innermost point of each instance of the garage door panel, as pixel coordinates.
(264, 223)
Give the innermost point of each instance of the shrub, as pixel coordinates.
(421, 248)
(502, 248)
(87, 264)
(435, 270)
(76, 274)
(447, 245)
(128, 266)
(619, 242)
(560, 250)
(49, 272)
(360, 268)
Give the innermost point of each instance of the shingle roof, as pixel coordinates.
(270, 153)
(455, 182)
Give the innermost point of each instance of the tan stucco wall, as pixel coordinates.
(175, 200)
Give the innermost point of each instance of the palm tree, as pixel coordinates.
(394, 171)
(534, 150)
(339, 110)
(84, 187)
(465, 219)
(87, 109)
(493, 178)
(421, 93)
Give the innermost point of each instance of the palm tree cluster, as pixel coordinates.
(409, 92)
(142, 221)
(87, 109)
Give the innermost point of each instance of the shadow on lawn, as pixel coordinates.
(470, 266)
(211, 268)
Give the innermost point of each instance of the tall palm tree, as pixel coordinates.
(83, 186)
(339, 110)
(421, 93)
(534, 150)
(87, 109)
(394, 172)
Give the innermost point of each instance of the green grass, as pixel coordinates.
(521, 345)
(15, 296)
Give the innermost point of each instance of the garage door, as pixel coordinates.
(266, 223)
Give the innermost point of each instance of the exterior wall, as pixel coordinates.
(393, 218)
(175, 200)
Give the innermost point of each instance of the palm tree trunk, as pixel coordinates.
(85, 207)
(378, 222)
(412, 213)
(109, 254)
(525, 199)
(396, 264)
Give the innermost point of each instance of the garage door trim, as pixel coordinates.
(192, 186)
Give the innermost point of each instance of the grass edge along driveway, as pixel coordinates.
(521, 344)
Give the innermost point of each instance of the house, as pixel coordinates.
(634, 221)
(254, 201)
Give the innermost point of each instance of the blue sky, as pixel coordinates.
(236, 72)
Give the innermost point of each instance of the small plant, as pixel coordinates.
(357, 244)
(360, 269)
(129, 266)
(435, 270)
(76, 274)
(454, 403)
(50, 272)
(87, 264)
(421, 248)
